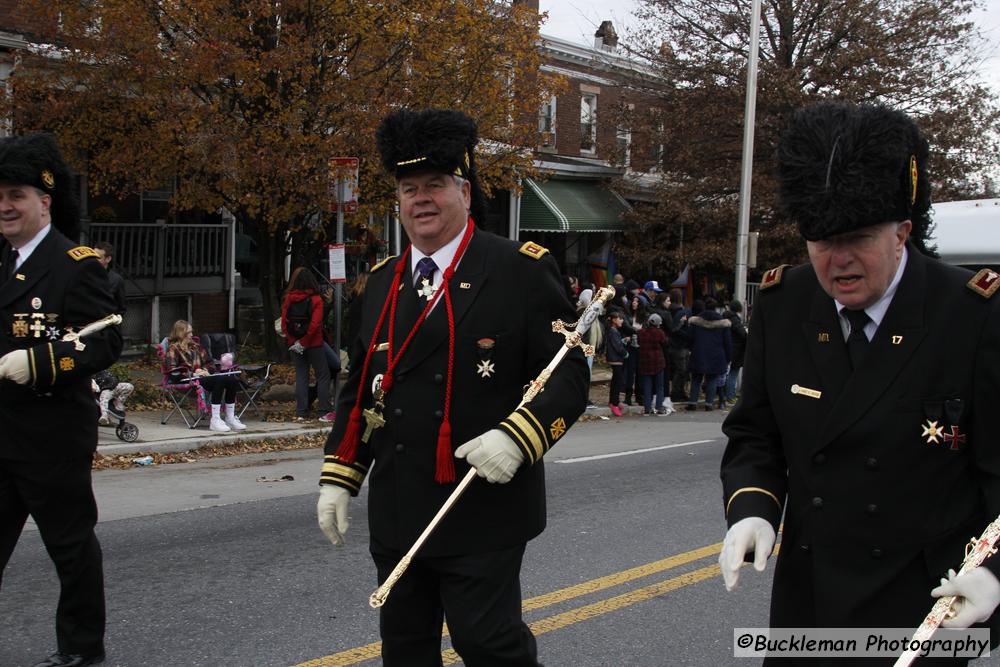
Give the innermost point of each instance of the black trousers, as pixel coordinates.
(222, 388)
(480, 594)
(59, 497)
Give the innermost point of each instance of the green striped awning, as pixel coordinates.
(571, 206)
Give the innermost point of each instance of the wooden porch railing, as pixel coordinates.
(157, 252)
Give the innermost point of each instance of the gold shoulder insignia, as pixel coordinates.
(772, 277)
(382, 263)
(985, 283)
(81, 252)
(533, 250)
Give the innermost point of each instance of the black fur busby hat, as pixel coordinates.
(842, 167)
(35, 160)
(437, 140)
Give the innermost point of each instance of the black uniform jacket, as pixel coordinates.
(59, 287)
(875, 508)
(505, 297)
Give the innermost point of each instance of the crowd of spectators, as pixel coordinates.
(663, 353)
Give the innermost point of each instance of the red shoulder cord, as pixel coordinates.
(445, 465)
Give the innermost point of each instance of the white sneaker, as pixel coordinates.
(104, 420)
(216, 424)
(235, 424)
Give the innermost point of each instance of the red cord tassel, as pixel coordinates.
(348, 449)
(445, 472)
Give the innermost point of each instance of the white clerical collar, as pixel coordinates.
(442, 256)
(25, 251)
(877, 310)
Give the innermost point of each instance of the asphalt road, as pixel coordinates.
(206, 565)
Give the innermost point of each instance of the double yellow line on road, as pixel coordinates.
(548, 624)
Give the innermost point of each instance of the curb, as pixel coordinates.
(184, 444)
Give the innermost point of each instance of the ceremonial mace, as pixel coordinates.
(574, 336)
(976, 551)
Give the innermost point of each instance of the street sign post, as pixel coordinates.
(344, 193)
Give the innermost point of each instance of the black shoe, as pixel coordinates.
(691, 407)
(708, 408)
(71, 660)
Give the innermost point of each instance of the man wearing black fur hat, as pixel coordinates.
(450, 334)
(871, 380)
(49, 287)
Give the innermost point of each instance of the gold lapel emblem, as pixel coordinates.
(824, 338)
(465, 286)
(896, 340)
(19, 276)
(799, 390)
(558, 428)
(66, 364)
(48, 179)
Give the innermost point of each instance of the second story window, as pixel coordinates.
(547, 124)
(623, 146)
(588, 123)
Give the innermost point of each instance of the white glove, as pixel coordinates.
(746, 534)
(296, 347)
(14, 366)
(331, 510)
(979, 593)
(494, 456)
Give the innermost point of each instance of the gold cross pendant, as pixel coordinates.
(374, 419)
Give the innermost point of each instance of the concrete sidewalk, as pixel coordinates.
(174, 436)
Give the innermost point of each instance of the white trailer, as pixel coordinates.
(967, 233)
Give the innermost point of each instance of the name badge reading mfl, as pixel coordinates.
(805, 391)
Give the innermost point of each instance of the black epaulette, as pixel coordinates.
(533, 250)
(772, 277)
(985, 283)
(382, 263)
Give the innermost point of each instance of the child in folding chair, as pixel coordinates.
(187, 358)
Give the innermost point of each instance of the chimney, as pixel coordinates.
(606, 39)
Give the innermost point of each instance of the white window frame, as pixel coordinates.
(547, 123)
(591, 115)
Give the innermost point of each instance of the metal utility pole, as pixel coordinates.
(749, 122)
(338, 287)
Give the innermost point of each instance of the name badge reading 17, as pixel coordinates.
(805, 391)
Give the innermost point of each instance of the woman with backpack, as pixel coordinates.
(302, 322)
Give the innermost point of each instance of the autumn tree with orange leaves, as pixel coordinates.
(245, 102)
(920, 56)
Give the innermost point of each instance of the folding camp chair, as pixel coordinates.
(255, 377)
(185, 395)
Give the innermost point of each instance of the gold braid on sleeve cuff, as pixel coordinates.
(755, 489)
(527, 433)
(348, 475)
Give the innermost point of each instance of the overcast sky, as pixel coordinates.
(576, 21)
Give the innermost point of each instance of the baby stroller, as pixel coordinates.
(110, 395)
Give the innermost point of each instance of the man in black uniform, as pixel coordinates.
(50, 287)
(454, 377)
(871, 382)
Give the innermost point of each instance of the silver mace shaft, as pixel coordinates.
(574, 334)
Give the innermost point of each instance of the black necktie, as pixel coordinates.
(10, 263)
(857, 341)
